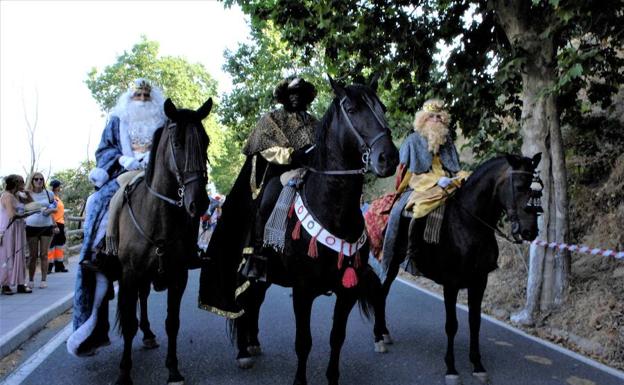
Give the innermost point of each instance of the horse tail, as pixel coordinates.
(370, 292)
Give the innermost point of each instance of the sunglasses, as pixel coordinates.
(37, 179)
(139, 94)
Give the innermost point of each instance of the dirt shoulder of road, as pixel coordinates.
(591, 322)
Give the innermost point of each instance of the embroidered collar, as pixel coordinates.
(323, 236)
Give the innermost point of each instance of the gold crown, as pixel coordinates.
(433, 106)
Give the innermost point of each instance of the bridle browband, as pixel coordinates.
(365, 147)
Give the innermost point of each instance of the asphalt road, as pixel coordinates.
(416, 321)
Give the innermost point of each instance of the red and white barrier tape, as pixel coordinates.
(581, 249)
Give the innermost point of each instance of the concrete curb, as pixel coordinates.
(34, 324)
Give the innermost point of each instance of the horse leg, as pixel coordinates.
(254, 316)
(450, 301)
(172, 325)
(344, 304)
(393, 271)
(302, 304)
(475, 296)
(149, 339)
(129, 325)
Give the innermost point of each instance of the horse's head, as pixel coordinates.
(187, 146)
(366, 130)
(519, 190)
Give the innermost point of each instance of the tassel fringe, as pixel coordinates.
(349, 278)
(340, 255)
(292, 210)
(296, 233)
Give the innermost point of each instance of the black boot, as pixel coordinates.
(59, 267)
(255, 267)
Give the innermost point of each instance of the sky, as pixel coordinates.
(48, 47)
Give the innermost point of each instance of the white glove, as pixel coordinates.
(98, 176)
(444, 181)
(144, 161)
(129, 163)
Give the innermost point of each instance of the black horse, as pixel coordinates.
(467, 250)
(352, 138)
(157, 229)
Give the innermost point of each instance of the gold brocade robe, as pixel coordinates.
(427, 195)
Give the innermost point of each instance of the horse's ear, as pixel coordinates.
(374, 81)
(536, 160)
(514, 161)
(337, 87)
(170, 109)
(205, 109)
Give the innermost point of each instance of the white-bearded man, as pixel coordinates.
(125, 146)
(428, 172)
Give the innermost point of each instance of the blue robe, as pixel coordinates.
(106, 156)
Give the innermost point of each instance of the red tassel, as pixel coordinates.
(357, 261)
(312, 248)
(340, 255)
(296, 233)
(291, 211)
(349, 278)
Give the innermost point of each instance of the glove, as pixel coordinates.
(144, 161)
(444, 181)
(129, 163)
(301, 156)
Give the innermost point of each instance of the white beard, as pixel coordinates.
(138, 122)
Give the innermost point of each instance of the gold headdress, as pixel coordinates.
(434, 105)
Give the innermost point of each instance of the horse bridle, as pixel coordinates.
(364, 147)
(533, 204)
(180, 178)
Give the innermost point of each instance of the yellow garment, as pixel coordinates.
(427, 195)
(277, 155)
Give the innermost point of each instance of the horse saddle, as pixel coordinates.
(114, 209)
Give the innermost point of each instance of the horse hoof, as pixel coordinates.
(482, 377)
(255, 350)
(150, 343)
(387, 339)
(175, 382)
(245, 362)
(452, 379)
(175, 379)
(380, 347)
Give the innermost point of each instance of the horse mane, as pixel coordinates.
(322, 127)
(149, 172)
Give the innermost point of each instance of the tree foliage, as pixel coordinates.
(188, 85)
(76, 186)
(456, 50)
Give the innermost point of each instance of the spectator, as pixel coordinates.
(56, 253)
(12, 237)
(39, 229)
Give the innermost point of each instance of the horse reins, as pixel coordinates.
(364, 147)
(513, 216)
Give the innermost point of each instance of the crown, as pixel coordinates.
(434, 105)
(141, 84)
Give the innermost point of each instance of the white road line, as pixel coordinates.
(20, 374)
(570, 353)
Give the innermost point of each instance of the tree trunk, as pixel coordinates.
(540, 130)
